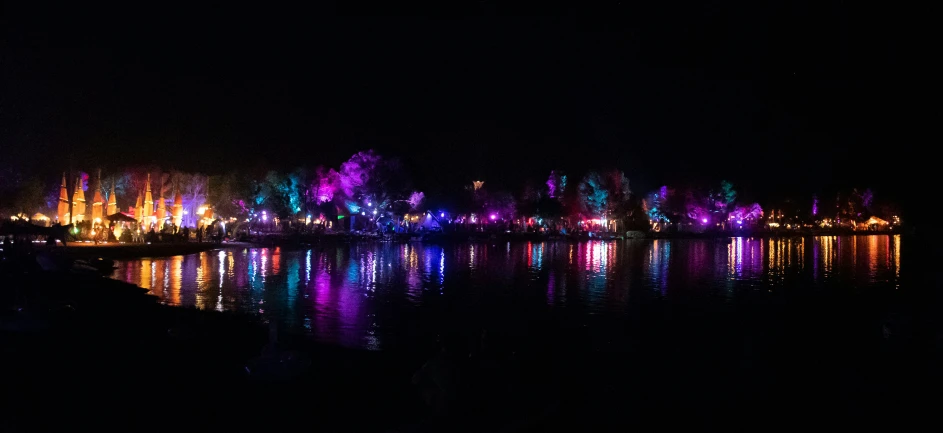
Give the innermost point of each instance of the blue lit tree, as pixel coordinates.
(605, 195)
(594, 194)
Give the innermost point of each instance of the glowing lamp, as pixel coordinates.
(739, 222)
(363, 213)
(442, 215)
(704, 220)
(374, 211)
(369, 204)
(494, 217)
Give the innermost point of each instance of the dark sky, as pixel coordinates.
(785, 99)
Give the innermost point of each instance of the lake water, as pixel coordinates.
(601, 294)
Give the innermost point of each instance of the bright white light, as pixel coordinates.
(374, 211)
(442, 215)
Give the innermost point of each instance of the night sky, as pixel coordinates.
(782, 100)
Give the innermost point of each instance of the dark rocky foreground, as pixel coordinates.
(86, 352)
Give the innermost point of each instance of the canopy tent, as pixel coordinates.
(876, 220)
(120, 217)
(428, 221)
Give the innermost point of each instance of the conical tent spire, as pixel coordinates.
(63, 209)
(97, 200)
(78, 201)
(139, 208)
(64, 190)
(161, 209)
(112, 200)
(178, 206)
(148, 200)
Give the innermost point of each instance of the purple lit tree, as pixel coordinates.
(326, 183)
(867, 199)
(751, 212)
(502, 204)
(697, 206)
(356, 172)
(416, 200)
(556, 184)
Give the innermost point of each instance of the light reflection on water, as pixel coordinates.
(375, 296)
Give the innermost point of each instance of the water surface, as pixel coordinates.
(387, 296)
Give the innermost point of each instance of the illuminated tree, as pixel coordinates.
(556, 184)
(274, 194)
(655, 205)
(594, 196)
(230, 195)
(602, 194)
(751, 212)
(501, 203)
(356, 171)
(416, 200)
(387, 183)
(192, 189)
(366, 179)
(867, 199)
(297, 190)
(326, 182)
(723, 198)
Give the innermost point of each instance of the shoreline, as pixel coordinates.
(86, 251)
(133, 251)
(312, 239)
